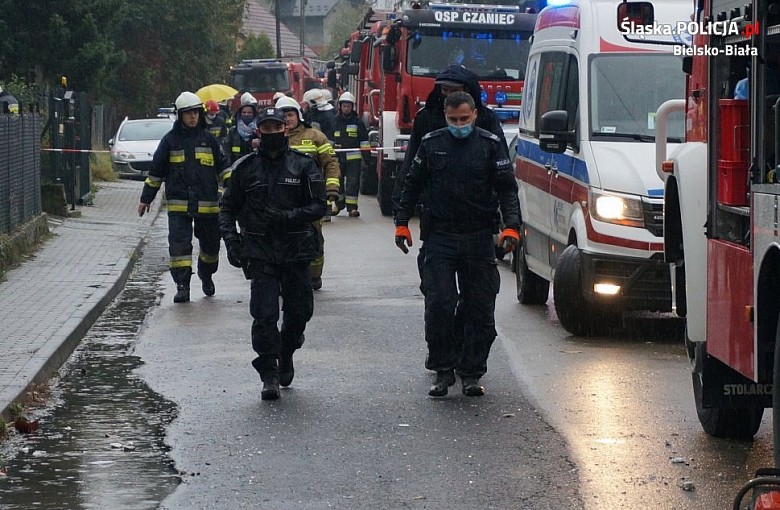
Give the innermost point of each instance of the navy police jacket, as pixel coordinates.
(465, 181)
(290, 182)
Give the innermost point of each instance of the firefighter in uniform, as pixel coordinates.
(467, 175)
(276, 194)
(215, 121)
(350, 133)
(243, 132)
(311, 141)
(191, 163)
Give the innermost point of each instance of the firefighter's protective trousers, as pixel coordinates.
(469, 257)
(180, 230)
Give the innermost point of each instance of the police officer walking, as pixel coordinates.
(313, 142)
(350, 133)
(275, 195)
(191, 163)
(466, 174)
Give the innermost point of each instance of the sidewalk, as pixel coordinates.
(50, 301)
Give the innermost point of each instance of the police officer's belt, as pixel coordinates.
(459, 227)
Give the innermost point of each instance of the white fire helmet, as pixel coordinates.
(287, 103)
(188, 101)
(347, 97)
(312, 96)
(248, 99)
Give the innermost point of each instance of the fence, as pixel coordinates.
(20, 169)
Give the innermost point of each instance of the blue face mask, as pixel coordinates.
(460, 131)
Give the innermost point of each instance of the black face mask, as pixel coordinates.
(273, 141)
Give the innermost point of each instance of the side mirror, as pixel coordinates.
(389, 57)
(355, 52)
(353, 69)
(687, 64)
(553, 132)
(111, 142)
(636, 13)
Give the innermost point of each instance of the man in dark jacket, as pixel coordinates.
(453, 78)
(275, 194)
(350, 133)
(467, 175)
(191, 163)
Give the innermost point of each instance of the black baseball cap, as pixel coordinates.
(270, 113)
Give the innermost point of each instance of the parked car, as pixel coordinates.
(134, 144)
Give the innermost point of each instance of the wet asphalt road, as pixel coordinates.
(356, 429)
(591, 423)
(594, 423)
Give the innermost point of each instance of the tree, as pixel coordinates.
(136, 54)
(347, 17)
(256, 46)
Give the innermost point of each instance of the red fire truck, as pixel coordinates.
(395, 57)
(264, 77)
(722, 214)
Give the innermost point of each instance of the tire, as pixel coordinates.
(722, 422)
(576, 314)
(368, 179)
(532, 289)
(384, 193)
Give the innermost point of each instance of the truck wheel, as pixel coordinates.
(532, 289)
(368, 179)
(722, 422)
(384, 192)
(576, 314)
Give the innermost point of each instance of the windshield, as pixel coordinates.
(496, 55)
(261, 80)
(149, 130)
(626, 91)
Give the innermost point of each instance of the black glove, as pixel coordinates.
(274, 217)
(234, 254)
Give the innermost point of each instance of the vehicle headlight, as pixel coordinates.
(122, 155)
(618, 209)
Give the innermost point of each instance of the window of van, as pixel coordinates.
(626, 91)
(558, 86)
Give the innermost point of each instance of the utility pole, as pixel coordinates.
(303, 28)
(277, 13)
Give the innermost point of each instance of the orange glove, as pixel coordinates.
(402, 235)
(509, 239)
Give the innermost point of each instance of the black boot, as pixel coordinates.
(182, 293)
(444, 379)
(208, 285)
(270, 389)
(472, 388)
(286, 368)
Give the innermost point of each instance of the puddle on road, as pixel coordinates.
(101, 442)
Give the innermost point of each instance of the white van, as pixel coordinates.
(590, 198)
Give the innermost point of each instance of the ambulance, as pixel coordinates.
(590, 198)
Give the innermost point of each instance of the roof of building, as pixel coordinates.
(259, 20)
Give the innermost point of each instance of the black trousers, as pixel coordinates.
(292, 283)
(460, 283)
(180, 230)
